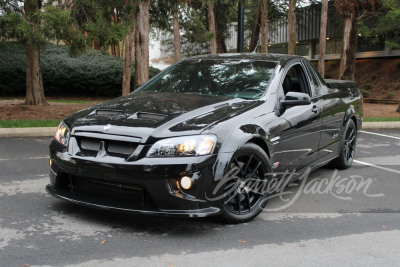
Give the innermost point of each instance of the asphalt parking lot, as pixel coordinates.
(349, 217)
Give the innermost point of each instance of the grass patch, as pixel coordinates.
(28, 123)
(374, 119)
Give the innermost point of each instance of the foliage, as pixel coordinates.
(91, 74)
(193, 22)
(78, 23)
(276, 11)
(387, 24)
(365, 93)
(54, 24)
(391, 95)
(104, 22)
(367, 85)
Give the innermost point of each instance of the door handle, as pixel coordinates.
(315, 109)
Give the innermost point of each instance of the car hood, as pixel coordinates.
(158, 115)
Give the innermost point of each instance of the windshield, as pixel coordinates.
(244, 79)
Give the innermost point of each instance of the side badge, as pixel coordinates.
(275, 165)
(107, 127)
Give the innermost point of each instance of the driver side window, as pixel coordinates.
(296, 81)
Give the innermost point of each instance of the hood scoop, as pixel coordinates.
(106, 112)
(148, 116)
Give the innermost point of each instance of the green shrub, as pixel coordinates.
(334, 63)
(373, 76)
(90, 74)
(365, 93)
(367, 85)
(398, 64)
(391, 95)
(377, 62)
(328, 75)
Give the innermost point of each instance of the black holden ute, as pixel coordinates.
(206, 137)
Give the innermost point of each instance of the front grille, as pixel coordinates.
(103, 192)
(91, 146)
(122, 148)
(109, 189)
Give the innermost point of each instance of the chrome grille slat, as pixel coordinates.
(123, 148)
(90, 144)
(113, 148)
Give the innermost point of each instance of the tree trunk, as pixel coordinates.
(322, 37)
(34, 81)
(348, 57)
(220, 40)
(221, 46)
(292, 27)
(113, 50)
(255, 33)
(264, 26)
(126, 82)
(211, 28)
(118, 50)
(177, 35)
(142, 42)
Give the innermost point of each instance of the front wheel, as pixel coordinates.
(347, 147)
(244, 196)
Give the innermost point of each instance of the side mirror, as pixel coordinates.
(295, 99)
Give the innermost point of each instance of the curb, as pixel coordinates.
(49, 131)
(381, 125)
(28, 132)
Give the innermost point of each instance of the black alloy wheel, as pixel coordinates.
(348, 147)
(244, 194)
(349, 144)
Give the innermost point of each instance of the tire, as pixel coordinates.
(241, 203)
(347, 147)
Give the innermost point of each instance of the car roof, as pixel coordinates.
(281, 58)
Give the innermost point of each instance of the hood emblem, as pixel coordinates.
(107, 127)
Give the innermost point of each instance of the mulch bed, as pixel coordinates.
(15, 109)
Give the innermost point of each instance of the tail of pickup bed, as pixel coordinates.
(349, 89)
(348, 86)
(342, 85)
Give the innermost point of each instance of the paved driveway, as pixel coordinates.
(314, 223)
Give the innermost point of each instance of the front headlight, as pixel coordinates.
(62, 134)
(184, 146)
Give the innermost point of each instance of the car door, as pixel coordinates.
(301, 125)
(332, 115)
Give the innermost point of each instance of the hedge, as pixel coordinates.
(92, 74)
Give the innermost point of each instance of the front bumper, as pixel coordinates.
(84, 201)
(153, 182)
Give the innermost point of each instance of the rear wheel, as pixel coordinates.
(243, 194)
(347, 148)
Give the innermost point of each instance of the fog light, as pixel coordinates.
(50, 162)
(186, 182)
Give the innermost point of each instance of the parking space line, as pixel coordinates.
(384, 135)
(376, 166)
(26, 158)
